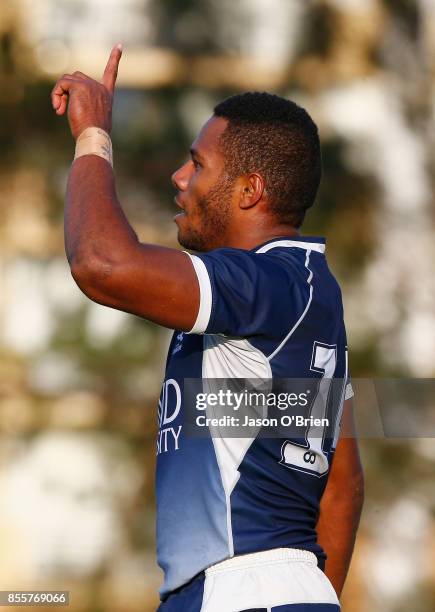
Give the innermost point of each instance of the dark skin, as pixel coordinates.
(113, 268)
(341, 504)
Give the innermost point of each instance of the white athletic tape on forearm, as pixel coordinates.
(94, 141)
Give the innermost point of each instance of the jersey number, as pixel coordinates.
(310, 455)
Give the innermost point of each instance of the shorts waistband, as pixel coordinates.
(262, 557)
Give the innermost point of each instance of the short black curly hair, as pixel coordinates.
(277, 138)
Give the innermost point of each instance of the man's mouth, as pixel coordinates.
(182, 213)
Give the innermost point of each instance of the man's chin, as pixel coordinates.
(191, 241)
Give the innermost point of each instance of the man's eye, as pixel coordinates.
(196, 164)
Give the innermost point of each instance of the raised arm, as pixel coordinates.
(341, 504)
(107, 260)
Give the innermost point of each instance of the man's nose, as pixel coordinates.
(180, 178)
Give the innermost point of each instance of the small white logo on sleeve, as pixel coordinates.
(179, 342)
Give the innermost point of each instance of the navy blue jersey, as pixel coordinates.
(274, 312)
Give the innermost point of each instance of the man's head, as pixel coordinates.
(257, 157)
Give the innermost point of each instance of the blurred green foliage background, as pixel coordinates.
(79, 383)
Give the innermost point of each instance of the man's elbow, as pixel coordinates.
(91, 276)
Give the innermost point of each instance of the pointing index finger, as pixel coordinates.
(111, 70)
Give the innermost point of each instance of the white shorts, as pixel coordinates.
(279, 580)
(266, 580)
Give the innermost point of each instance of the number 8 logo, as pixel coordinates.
(309, 457)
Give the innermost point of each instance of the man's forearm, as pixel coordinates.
(340, 512)
(94, 220)
(95, 225)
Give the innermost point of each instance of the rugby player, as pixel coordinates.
(245, 523)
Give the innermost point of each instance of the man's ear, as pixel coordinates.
(252, 187)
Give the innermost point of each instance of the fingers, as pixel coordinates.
(111, 70)
(63, 87)
(59, 93)
(81, 75)
(63, 104)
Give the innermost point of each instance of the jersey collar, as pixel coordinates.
(309, 243)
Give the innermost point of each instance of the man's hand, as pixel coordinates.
(89, 102)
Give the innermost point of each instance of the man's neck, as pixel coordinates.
(259, 235)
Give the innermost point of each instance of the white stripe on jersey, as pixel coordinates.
(205, 298)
